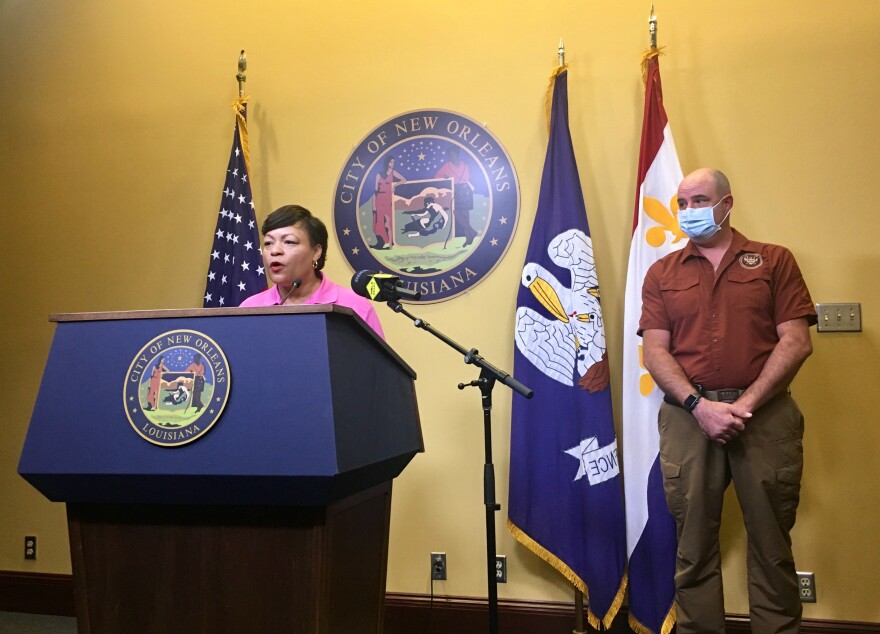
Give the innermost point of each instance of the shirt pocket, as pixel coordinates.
(751, 289)
(681, 296)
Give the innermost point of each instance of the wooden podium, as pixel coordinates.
(275, 518)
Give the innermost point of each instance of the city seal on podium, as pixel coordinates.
(176, 388)
(429, 196)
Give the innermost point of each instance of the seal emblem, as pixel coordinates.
(750, 260)
(176, 388)
(430, 196)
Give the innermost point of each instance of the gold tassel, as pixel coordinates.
(238, 109)
(648, 55)
(548, 98)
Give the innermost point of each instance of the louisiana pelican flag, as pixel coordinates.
(650, 530)
(235, 268)
(565, 500)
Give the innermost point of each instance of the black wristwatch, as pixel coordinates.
(691, 402)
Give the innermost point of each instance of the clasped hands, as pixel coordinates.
(721, 422)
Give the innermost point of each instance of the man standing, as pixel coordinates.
(725, 326)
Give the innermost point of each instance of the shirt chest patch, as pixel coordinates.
(750, 260)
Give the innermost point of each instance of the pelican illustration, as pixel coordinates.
(565, 343)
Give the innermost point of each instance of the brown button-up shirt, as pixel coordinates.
(723, 324)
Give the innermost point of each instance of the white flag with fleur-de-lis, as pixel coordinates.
(650, 529)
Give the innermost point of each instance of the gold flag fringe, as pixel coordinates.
(548, 98)
(238, 109)
(665, 628)
(572, 577)
(652, 53)
(669, 621)
(637, 627)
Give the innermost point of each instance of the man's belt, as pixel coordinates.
(724, 395)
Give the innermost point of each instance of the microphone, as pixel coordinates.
(295, 285)
(381, 287)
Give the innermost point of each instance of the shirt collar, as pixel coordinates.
(738, 244)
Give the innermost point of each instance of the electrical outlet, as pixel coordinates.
(501, 568)
(438, 566)
(807, 585)
(30, 547)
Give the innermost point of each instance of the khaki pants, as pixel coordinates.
(765, 463)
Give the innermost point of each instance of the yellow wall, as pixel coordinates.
(115, 138)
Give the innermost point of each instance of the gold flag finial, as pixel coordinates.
(654, 51)
(561, 68)
(242, 67)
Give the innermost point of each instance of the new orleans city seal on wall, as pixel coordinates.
(176, 388)
(429, 196)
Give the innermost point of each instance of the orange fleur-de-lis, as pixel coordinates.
(668, 221)
(646, 381)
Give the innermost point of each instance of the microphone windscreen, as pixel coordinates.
(381, 287)
(360, 284)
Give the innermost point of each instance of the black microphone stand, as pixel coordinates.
(489, 374)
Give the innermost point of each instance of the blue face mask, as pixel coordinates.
(699, 224)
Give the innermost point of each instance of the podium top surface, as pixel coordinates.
(184, 313)
(201, 312)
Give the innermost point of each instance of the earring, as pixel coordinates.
(314, 264)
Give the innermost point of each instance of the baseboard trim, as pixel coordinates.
(406, 613)
(43, 593)
(36, 593)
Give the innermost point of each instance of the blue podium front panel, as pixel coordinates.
(274, 443)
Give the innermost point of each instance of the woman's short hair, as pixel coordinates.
(290, 215)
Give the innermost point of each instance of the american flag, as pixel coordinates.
(235, 269)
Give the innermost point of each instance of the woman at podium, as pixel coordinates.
(294, 251)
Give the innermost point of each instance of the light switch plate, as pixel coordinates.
(845, 317)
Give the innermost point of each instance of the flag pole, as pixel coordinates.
(578, 613)
(652, 27)
(242, 67)
(578, 595)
